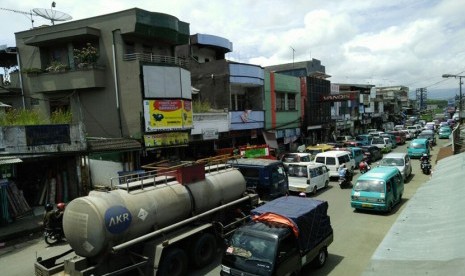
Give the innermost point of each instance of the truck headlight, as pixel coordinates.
(226, 269)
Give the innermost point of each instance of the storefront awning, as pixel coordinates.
(9, 160)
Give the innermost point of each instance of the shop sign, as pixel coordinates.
(338, 97)
(209, 133)
(47, 135)
(166, 139)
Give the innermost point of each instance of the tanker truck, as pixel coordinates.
(156, 223)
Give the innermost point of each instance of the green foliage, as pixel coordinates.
(439, 103)
(28, 117)
(88, 54)
(201, 106)
(24, 117)
(61, 117)
(56, 66)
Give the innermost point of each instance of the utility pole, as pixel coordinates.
(421, 97)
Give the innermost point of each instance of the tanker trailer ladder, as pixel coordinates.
(161, 175)
(217, 163)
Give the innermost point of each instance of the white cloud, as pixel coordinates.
(381, 42)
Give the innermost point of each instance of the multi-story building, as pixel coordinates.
(317, 124)
(351, 108)
(284, 111)
(395, 99)
(119, 77)
(231, 94)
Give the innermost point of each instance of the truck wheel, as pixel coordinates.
(174, 262)
(203, 250)
(320, 259)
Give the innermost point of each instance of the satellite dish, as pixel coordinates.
(52, 15)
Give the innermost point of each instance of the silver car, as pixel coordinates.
(399, 160)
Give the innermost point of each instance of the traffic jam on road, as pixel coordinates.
(260, 207)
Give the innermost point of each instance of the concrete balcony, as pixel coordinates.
(68, 80)
(43, 139)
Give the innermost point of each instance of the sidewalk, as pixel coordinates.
(22, 228)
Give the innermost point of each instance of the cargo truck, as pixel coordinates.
(161, 222)
(283, 236)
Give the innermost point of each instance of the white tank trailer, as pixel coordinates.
(163, 222)
(95, 223)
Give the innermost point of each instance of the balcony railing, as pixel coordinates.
(147, 57)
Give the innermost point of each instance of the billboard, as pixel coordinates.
(166, 82)
(162, 115)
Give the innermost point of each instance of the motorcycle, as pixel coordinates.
(54, 235)
(345, 178)
(363, 167)
(426, 167)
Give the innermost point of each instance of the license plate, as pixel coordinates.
(366, 205)
(302, 189)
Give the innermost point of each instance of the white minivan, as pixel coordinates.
(334, 159)
(307, 177)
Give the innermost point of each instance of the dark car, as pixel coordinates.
(372, 153)
(428, 134)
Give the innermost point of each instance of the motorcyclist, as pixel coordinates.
(49, 216)
(342, 171)
(424, 158)
(363, 165)
(59, 213)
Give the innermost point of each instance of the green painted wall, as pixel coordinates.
(284, 119)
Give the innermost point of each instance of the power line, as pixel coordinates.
(23, 12)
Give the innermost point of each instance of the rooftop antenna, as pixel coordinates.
(51, 14)
(30, 14)
(293, 52)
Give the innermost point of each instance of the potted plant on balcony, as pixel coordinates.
(56, 66)
(86, 57)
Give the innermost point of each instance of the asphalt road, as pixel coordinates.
(356, 234)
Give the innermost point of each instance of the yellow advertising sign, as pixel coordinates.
(166, 139)
(187, 114)
(167, 114)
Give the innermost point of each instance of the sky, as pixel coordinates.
(383, 43)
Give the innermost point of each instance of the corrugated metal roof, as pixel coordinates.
(428, 237)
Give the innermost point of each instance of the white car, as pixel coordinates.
(295, 157)
(383, 143)
(307, 177)
(399, 160)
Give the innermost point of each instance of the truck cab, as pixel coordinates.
(284, 235)
(255, 248)
(267, 178)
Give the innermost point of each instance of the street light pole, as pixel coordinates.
(460, 92)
